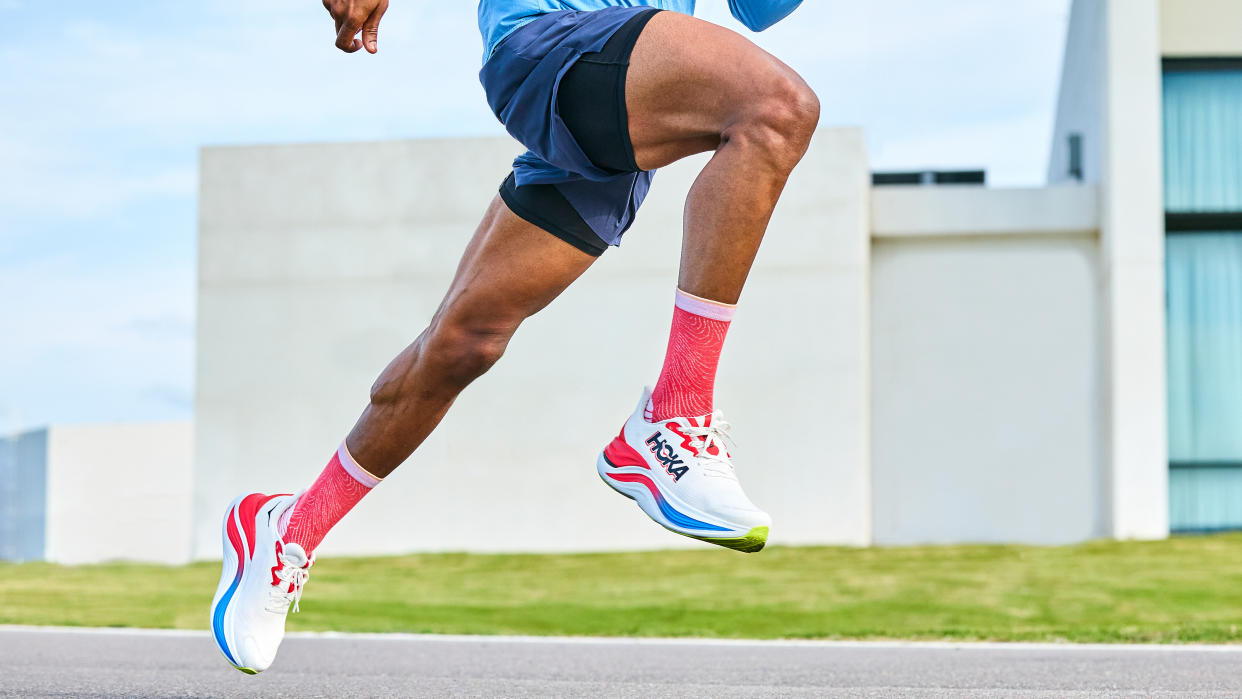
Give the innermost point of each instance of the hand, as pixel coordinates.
(353, 16)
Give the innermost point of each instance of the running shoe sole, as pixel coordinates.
(236, 553)
(669, 513)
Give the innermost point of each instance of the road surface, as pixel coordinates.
(57, 662)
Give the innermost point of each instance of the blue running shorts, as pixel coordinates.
(557, 83)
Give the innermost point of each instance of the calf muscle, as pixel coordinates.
(510, 271)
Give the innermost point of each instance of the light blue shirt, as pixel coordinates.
(498, 18)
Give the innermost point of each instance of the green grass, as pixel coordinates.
(1182, 590)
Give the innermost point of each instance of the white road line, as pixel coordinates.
(592, 640)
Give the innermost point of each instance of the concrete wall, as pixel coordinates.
(1111, 94)
(1132, 272)
(319, 263)
(986, 366)
(93, 493)
(144, 471)
(1080, 104)
(1197, 28)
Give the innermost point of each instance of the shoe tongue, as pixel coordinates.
(296, 555)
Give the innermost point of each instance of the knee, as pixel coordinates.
(780, 121)
(444, 360)
(461, 352)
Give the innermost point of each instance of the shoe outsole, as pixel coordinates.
(752, 542)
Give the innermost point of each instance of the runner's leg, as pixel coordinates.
(694, 87)
(510, 270)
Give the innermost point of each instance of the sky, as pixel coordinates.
(104, 106)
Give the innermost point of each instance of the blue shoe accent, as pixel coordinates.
(217, 615)
(684, 521)
(217, 620)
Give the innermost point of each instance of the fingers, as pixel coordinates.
(354, 16)
(346, 33)
(370, 28)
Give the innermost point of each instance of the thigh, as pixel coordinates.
(511, 269)
(689, 81)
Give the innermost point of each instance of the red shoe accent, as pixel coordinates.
(279, 564)
(619, 454)
(247, 509)
(235, 538)
(685, 439)
(280, 549)
(640, 479)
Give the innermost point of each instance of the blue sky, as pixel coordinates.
(103, 107)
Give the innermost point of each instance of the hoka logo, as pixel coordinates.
(667, 456)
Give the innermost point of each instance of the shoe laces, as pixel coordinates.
(714, 434)
(294, 578)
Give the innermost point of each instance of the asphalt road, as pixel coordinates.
(39, 663)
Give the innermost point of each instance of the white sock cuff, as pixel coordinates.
(705, 307)
(357, 472)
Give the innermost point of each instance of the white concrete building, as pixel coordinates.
(964, 364)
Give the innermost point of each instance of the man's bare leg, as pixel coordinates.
(695, 87)
(510, 271)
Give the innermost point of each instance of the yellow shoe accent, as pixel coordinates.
(753, 542)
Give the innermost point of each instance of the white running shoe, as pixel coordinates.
(680, 473)
(262, 577)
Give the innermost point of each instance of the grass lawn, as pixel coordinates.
(1182, 590)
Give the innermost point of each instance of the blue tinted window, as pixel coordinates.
(1203, 141)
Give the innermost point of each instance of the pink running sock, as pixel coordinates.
(341, 485)
(688, 379)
